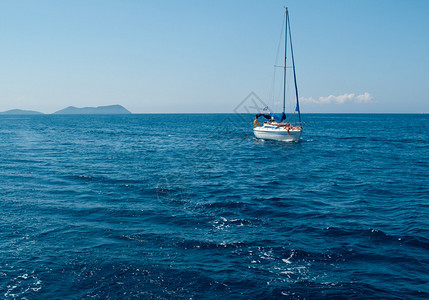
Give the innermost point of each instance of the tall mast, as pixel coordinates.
(294, 73)
(284, 76)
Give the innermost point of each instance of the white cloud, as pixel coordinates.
(341, 99)
(366, 97)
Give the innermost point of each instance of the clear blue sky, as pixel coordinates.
(206, 56)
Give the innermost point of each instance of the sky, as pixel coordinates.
(191, 56)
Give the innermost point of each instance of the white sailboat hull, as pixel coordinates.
(277, 134)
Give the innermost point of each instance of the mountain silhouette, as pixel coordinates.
(100, 110)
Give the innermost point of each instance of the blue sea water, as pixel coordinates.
(193, 206)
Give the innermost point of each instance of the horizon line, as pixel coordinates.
(4, 113)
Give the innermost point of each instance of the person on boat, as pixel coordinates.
(285, 125)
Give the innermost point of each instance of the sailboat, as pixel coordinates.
(276, 128)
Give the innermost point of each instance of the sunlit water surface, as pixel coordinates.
(193, 206)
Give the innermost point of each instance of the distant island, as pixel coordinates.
(100, 110)
(71, 110)
(20, 112)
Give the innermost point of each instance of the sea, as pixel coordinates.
(192, 206)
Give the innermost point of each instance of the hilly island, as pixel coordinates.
(71, 110)
(20, 112)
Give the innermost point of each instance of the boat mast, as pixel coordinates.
(294, 73)
(284, 75)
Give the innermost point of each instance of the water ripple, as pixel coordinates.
(130, 206)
